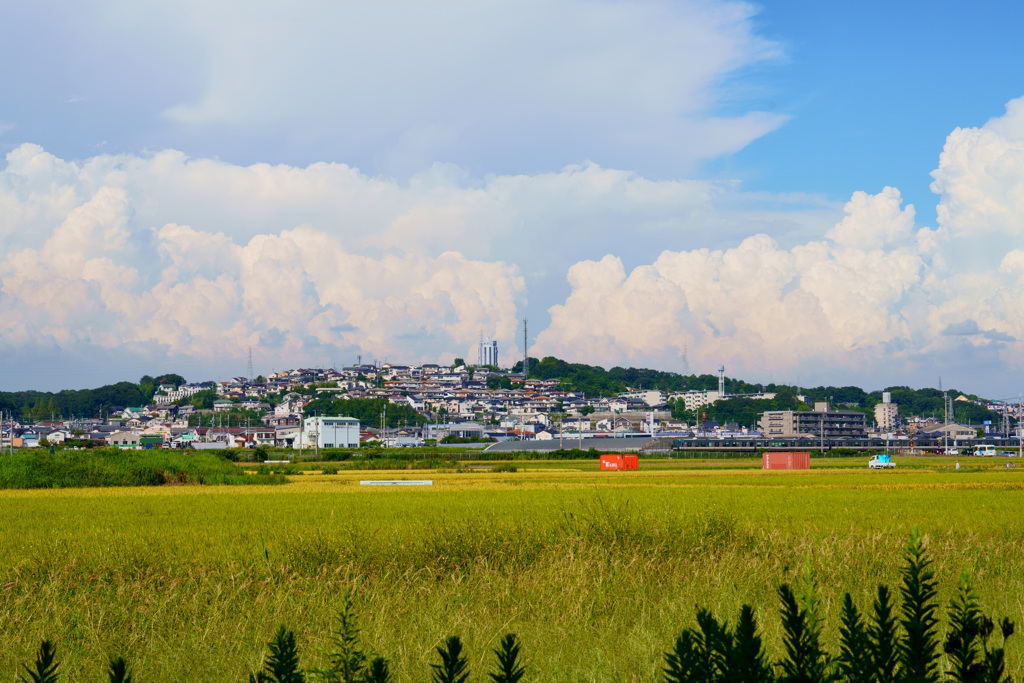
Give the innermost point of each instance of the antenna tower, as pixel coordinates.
(526, 356)
(686, 361)
(250, 363)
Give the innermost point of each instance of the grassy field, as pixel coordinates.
(596, 572)
(104, 467)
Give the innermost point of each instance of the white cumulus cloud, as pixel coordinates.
(877, 296)
(101, 280)
(757, 302)
(200, 259)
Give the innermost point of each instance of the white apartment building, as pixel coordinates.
(174, 395)
(328, 432)
(698, 398)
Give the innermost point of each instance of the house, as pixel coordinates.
(950, 431)
(281, 421)
(124, 440)
(222, 405)
(27, 439)
(59, 436)
(617, 424)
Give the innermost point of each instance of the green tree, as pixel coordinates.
(366, 410)
(203, 400)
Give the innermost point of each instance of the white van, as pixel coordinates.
(986, 449)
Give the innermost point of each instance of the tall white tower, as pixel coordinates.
(488, 353)
(721, 381)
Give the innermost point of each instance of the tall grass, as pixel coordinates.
(35, 469)
(880, 650)
(595, 573)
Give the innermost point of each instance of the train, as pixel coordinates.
(921, 445)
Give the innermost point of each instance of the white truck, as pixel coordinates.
(881, 462)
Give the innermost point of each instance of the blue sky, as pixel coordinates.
(873, 89)
(639, 179)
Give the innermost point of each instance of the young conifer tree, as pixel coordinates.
(509, 668)
(454, 667)
(919, 648)
(45, 669)
(884, 638)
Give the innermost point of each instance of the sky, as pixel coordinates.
(804, 192)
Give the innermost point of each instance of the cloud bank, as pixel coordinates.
(164, 256)
(876, 298)
(394, 86)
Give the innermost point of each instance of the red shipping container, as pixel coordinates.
(620, 462)
(789, 460)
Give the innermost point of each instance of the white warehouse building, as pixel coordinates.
(328, 432)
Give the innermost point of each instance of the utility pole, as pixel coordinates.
(579, 423)
(822, 434)
(526, 355)
(945, 422)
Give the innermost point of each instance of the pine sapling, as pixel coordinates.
(714, 645)
(919, 649)
(994, 669)
(883, 635)
(805, 661)
(347, 660)
(454, 667)
(681, 662)
(378, 671)
(45, 670)
(282, 666)
(747, 661)
(965, 632)
(854, 661)
(509, 669)
(118, 671)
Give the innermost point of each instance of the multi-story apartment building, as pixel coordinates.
(820, 422)
(886, 413)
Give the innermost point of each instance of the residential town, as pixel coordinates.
(437, 404)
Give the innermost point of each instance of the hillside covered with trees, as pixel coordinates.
(85, 403)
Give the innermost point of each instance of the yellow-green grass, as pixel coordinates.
(595, 571)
